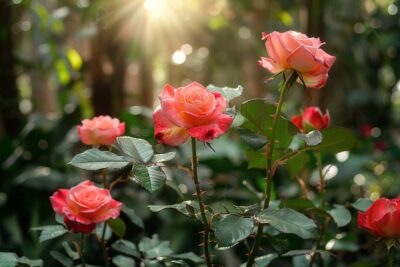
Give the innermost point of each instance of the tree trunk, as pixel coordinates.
(10, 115)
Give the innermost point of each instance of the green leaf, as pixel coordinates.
(263, 261)
(61, 258)
(189, 208)
(288, 221)
(312, 138)
(136, 148)
(362, 204)
(299, 252)
(231, 229)
(8, 259)
(163, 157)
(296, 164)
(256, 159)
(31, 263)
(154, 247)
(95, 159)
(152, 178)
(341, 245)
(50, 232)
(260, 114)
(297, 204)
(71, 253)
(133, 217)
(340, 215)
(227, 92)
(335, 140)
(126, 247)
(123, 261)
(188, 256)
(254, 141)
(117, 226)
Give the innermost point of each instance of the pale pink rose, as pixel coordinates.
(296, 51)
(84, 205)
(101, 130)
(190, 111)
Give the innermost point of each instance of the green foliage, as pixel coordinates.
(362, 204)
(50, 231)
(153, 248)
(227, 92)
(340, 215)
(231, 229)
(61, 258)
(288, 221)
(134, 218)
(138, 149)
(95, 159)
(123, 261)
(152, 178)
(8, 259)
(117, 226)
(126, 247)
(189, 208)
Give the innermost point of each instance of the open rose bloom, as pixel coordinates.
(382, 218)
(296, 51)
(101, 130)
(85, 205)
(190, 111)
(311, 119)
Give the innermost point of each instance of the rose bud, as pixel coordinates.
(101, 130)
(382, 218)
(190, 111)
(311, 119)
(85, 205)
(296, 51)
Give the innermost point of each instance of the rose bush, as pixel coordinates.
(190, 111)
(101, 130)
(85, 205)
(382, 218)
(311, 119)
(296, 51)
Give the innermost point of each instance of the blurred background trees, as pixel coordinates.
(61, 61)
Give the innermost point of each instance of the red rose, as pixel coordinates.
(296, 51)
(84, 205)
(190, 111)
(311, 119)
(382, 218)
(101, 130)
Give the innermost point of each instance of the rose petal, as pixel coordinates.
(303, 60)
(206, 133)
(166, 131)
(298, 122)
(270, 65)
(58, 200)
(314, 81)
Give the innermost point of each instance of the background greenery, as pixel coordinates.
(62, 61)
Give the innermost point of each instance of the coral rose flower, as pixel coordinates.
(101, 130)
(190, 111)
(311, 119)
(382, 218)
(85, 205)
(296, 51)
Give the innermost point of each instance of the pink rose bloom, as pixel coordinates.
(101, 130)
(187, 111)
(84, 205)
(382, 218)
(296, 51)
(311, 119)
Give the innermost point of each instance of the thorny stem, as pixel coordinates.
(103, 245)
(201, 205)
(270, 150)
(81, 250)
(322, 199)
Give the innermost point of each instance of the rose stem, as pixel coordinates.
(102, 240)
(389, 258)
(201, 204)
(269, 176)
(81, 250)
(322, 199)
